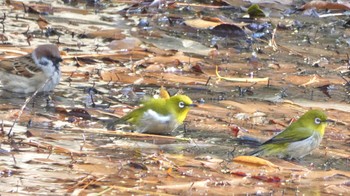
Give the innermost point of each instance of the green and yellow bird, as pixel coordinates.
(297, 140)
(160, 116)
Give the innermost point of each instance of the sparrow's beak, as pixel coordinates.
(57, 60)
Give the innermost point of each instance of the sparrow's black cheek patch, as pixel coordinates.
(56, 65)
(55, 62)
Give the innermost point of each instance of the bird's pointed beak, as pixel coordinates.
(60, 59)
(330, 121)
(192, 105)
(57, 60)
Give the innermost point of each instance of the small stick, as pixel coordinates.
(206, 84)
(25, 104)
(14, 159)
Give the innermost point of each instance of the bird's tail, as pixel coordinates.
(256, 152)
(267, 150)
(111, 125)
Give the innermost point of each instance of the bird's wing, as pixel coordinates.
(134, 116)
(291, 134)
(22, 66)
(157, 105)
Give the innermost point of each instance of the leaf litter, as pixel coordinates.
(250, 76)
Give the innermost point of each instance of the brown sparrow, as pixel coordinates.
(39, 70)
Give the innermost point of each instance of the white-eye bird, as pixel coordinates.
(298, 139)
(160, 116)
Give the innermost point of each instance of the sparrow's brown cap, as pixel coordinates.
(47, 50)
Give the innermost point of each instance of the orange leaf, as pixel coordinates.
(169, 171)
(42, 22)
(256, 161)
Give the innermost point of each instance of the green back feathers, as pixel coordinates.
(297, 140)
(304, 127)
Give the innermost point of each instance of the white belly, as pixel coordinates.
(152, 122)
(301, 148)
(20, 84)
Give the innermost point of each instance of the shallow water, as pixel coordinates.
(61, 144)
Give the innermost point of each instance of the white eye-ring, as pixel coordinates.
(181, 104)
(317, 121)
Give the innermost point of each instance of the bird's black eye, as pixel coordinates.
(43, 62)
(317, 121)
(181, 104)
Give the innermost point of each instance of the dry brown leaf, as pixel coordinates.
(182, 79)
(119, 56)
(326, 5)
(202, 24)
(96, 169)
(16, 5)
(161, 52)
(128, 43)
(107, 33)
(42, 22)
(307, 81)
(256, 161)
(118, 76)
(179, 56)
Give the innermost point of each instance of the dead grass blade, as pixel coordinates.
(240, 79)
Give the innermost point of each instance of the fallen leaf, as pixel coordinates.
(128, 43)
(307, 81)
(115, 34)
(42, 22)
(228, 30)
(256, 161)
(202, 24)
(326, 5)
(267, 179)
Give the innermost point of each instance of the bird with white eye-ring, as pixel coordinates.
(159, 116)
(298, 139)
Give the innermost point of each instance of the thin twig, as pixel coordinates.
(25, 104)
